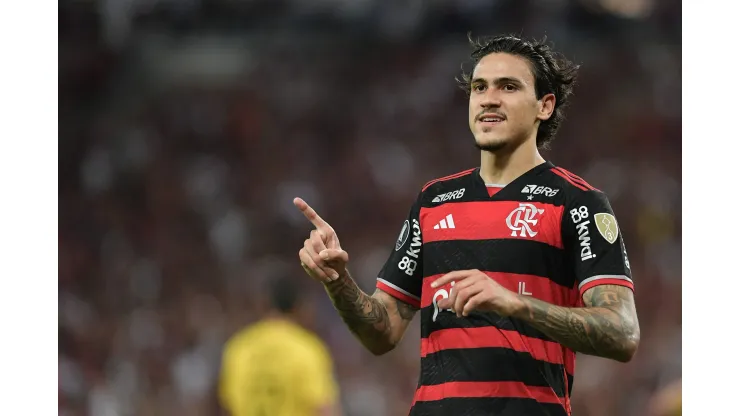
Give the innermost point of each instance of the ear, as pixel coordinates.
(546, 106)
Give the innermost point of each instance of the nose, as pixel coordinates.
(491, 99)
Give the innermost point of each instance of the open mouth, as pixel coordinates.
(491, 119)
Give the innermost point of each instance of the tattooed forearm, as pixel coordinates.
(606, 327)
(405, 310)
(367, 316)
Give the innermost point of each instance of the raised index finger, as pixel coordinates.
(310, 214)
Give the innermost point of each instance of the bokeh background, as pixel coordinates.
(187, 127)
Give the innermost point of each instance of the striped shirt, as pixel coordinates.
(548, 234)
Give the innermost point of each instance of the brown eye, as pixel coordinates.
(509, 87)
(479, 87)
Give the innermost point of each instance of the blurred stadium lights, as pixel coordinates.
(206, 59)
(630, 9)
(634, 9)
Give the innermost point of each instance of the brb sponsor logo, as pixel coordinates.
(449, 196)
(522, 220)
(410, 260)
(580, 219)
(440, 294)
(539, 190)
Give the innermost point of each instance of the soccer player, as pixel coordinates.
(276, 367)
(516, 265)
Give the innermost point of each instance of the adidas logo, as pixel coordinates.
(446, 222)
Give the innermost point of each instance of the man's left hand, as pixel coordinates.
(474, 290)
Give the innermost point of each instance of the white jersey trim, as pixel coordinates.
(387, 283)
(591, 279)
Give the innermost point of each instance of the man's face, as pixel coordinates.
(504, 109)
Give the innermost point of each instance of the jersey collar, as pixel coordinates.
(480, 186)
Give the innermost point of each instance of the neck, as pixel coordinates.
(503, 166)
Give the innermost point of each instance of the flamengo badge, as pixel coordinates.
(522, 219)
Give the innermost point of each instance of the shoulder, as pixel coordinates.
(575, 189)
(300, 340)
(569, 181)
(313, 345)
(450, 183)
(448, 180)
(243, 336)
(234, 349)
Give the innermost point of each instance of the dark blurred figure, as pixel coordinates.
(276, 366)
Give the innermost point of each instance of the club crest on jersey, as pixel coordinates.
(403, 236)
(607, 226)
(522, 219)
(537, 190)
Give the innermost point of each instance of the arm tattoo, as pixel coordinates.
(364, 315)
(606, 327)
(405, 310)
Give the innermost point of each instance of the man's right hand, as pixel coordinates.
(321, 256)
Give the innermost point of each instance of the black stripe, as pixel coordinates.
(487, 406)
(446, 320)
(500, 255)
(490, 364)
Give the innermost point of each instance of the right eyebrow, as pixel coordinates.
(508, 80)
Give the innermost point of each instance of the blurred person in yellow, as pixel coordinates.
(277, 367)
(667, 401)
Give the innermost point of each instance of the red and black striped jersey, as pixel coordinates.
(548, 234)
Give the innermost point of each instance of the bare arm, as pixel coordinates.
(378, 321)
(606, 327)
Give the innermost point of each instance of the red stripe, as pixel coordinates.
(397, 294)
(539, 287)
(606, 281)
(453, 176)
(578, 178)
(492, 337)
(486, 220)
(567, 178)
(505, 389)
(575, 178)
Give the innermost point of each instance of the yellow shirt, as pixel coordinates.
(276, 368)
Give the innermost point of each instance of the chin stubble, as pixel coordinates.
(491, 147)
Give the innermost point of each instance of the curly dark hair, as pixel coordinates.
(553, 74)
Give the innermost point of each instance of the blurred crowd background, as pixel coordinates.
(187, 127)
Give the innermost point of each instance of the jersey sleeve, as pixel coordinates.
(401, 276)
(593, 242)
